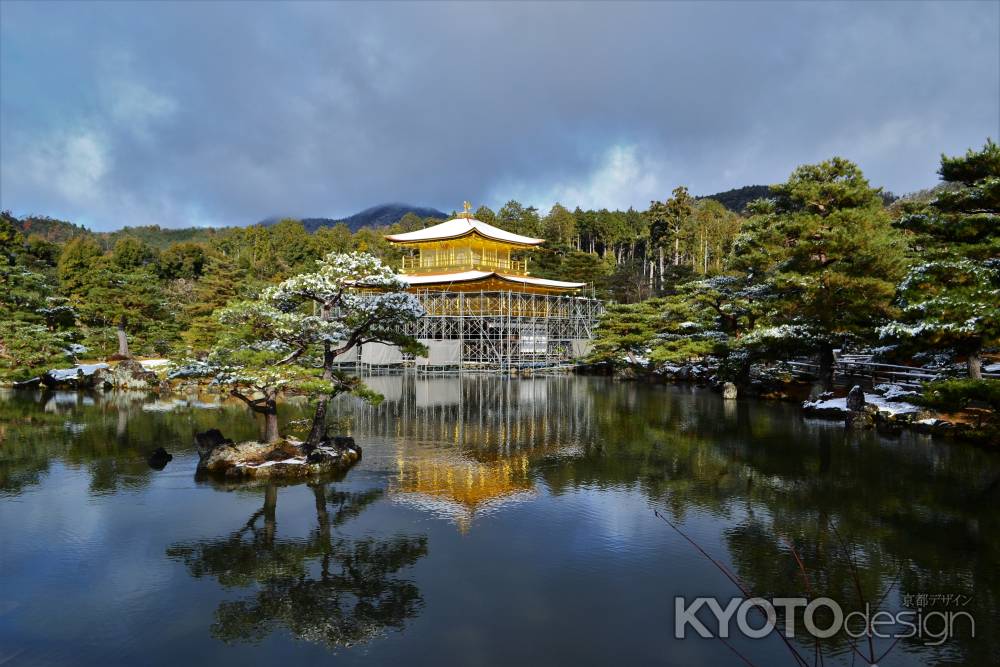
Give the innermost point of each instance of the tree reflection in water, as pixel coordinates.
(327, 588)
(756, 477)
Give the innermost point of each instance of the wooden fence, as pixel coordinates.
(852, 368)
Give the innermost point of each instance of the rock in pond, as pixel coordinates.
(875, 411)
(209, 439)
(856, 399)
(78, 377)
(127, 374)
(283, 459)
(159, 459)
(864, 418)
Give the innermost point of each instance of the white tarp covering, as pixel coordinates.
(441, 353)
(380, 354)
(582, 348)
(349, 357)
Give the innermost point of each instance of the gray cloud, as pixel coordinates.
(180, 114)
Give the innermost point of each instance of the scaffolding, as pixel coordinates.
(504, 331)
(507, 330)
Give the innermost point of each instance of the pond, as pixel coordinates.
(491, 521)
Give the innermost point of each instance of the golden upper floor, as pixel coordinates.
(464, 244)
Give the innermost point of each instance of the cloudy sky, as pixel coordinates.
(216, 114)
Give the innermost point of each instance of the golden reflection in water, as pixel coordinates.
(458, 487)
(466, 445)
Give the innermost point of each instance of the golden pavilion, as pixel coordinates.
(465, 254)
(483, 307)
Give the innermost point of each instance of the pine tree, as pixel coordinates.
(222, 281)
(27, 350)
(182, 260)
(687, 331)
(626, 332)
(271, 344)
(485, 214)
(951, 298)
(827, 250)
(133, 303)
(131, 253)
(559, 226)
(79, 257)
(31, 316)
(667, 221)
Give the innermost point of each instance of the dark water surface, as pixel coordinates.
(491, 522)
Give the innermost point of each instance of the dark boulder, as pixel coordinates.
(211, 438)
(345, 442)
(159, 459)
(128, 374)
(333, 449)
(856, 399)
(862, 419)
(322, 455)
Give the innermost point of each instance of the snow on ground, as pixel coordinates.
(895, 393)
(71, 373)
(891, 408)
(267, 464)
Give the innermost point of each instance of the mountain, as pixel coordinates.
(50, 229)
(382, 215)
(737, 199)
(60, 231)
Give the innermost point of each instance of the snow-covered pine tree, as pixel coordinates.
(951, 296)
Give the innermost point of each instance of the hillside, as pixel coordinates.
(737, 199)
(162, 238)
(50, 229)
(382, 215)
(60, 231)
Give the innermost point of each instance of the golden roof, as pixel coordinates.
(457, 228)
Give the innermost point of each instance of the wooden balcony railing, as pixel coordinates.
(463, 262)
